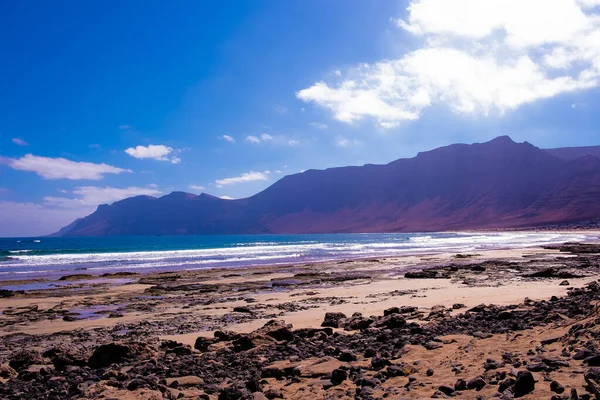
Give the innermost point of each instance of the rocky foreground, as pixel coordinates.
(531, 350)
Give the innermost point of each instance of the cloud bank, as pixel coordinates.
(476, 57)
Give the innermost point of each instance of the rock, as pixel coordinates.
(63, 357)
(582, 354)
(429, 372)
(242, 309)
(111, 353)
(184, 381)
(6, 293)
(202, 343)
(492, 364)
(338, 376)
(370, 352)
(524, 384)
(426, 274)
(226, 336)
(556, 387)
(71, 318)
(439, 395)
(347, 356)
(20, 310)
(476, 383)
(400, 370)
(390, 311)
(505, 384)
(447, 390)
(564, 283)
(115, 315)
(233, 393)
(378, 363)
(280, 369)
(574, 395)
(356, 322)
(461, 384)
(592, 361)
(7, 372)
(23, 359)
(75, 277)
(458, 306)
(247, 342)
(391, 322)
(332, 319)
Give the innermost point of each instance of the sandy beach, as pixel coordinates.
(285, 331)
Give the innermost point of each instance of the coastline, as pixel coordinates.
(183, 306)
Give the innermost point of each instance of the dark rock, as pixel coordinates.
(458, 306)
(447, 390)
(347, 356)
(476, 383)
(524, 384)
(492, 364)
(429, 372)
(112, 353)
(505, 384)
(378, 363)
(557, 387)
(338, 376)
(370, 352)
(593, 361)
(461, 384)
(332, 319)
(202, 343)
(564, 283)
(23, 359)
(242, 309)
(426, 274)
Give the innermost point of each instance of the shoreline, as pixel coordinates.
(177, 308)
(592, 236)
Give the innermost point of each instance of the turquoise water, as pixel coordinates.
(22, 258)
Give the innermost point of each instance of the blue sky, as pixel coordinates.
(105, 100)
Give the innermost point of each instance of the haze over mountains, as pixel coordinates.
(498, 184)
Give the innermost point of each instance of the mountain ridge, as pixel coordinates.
(496, 184)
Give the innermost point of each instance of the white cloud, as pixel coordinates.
(158, 152)
(227, 138)
(266, 137)
(61, 168)
(19, 142)
(343, 142)
(88, 196)
(227, 198)
(252, 139)
(196, 187)
(245, 177)
(318, 125)
(337, 72)
(476, 57)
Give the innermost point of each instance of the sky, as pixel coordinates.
(100, 101)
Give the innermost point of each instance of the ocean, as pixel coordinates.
(24, 258)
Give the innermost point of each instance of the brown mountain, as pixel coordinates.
(498, 184)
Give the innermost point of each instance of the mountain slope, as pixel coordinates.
(497, 184)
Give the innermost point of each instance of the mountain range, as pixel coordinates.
(497, 184)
